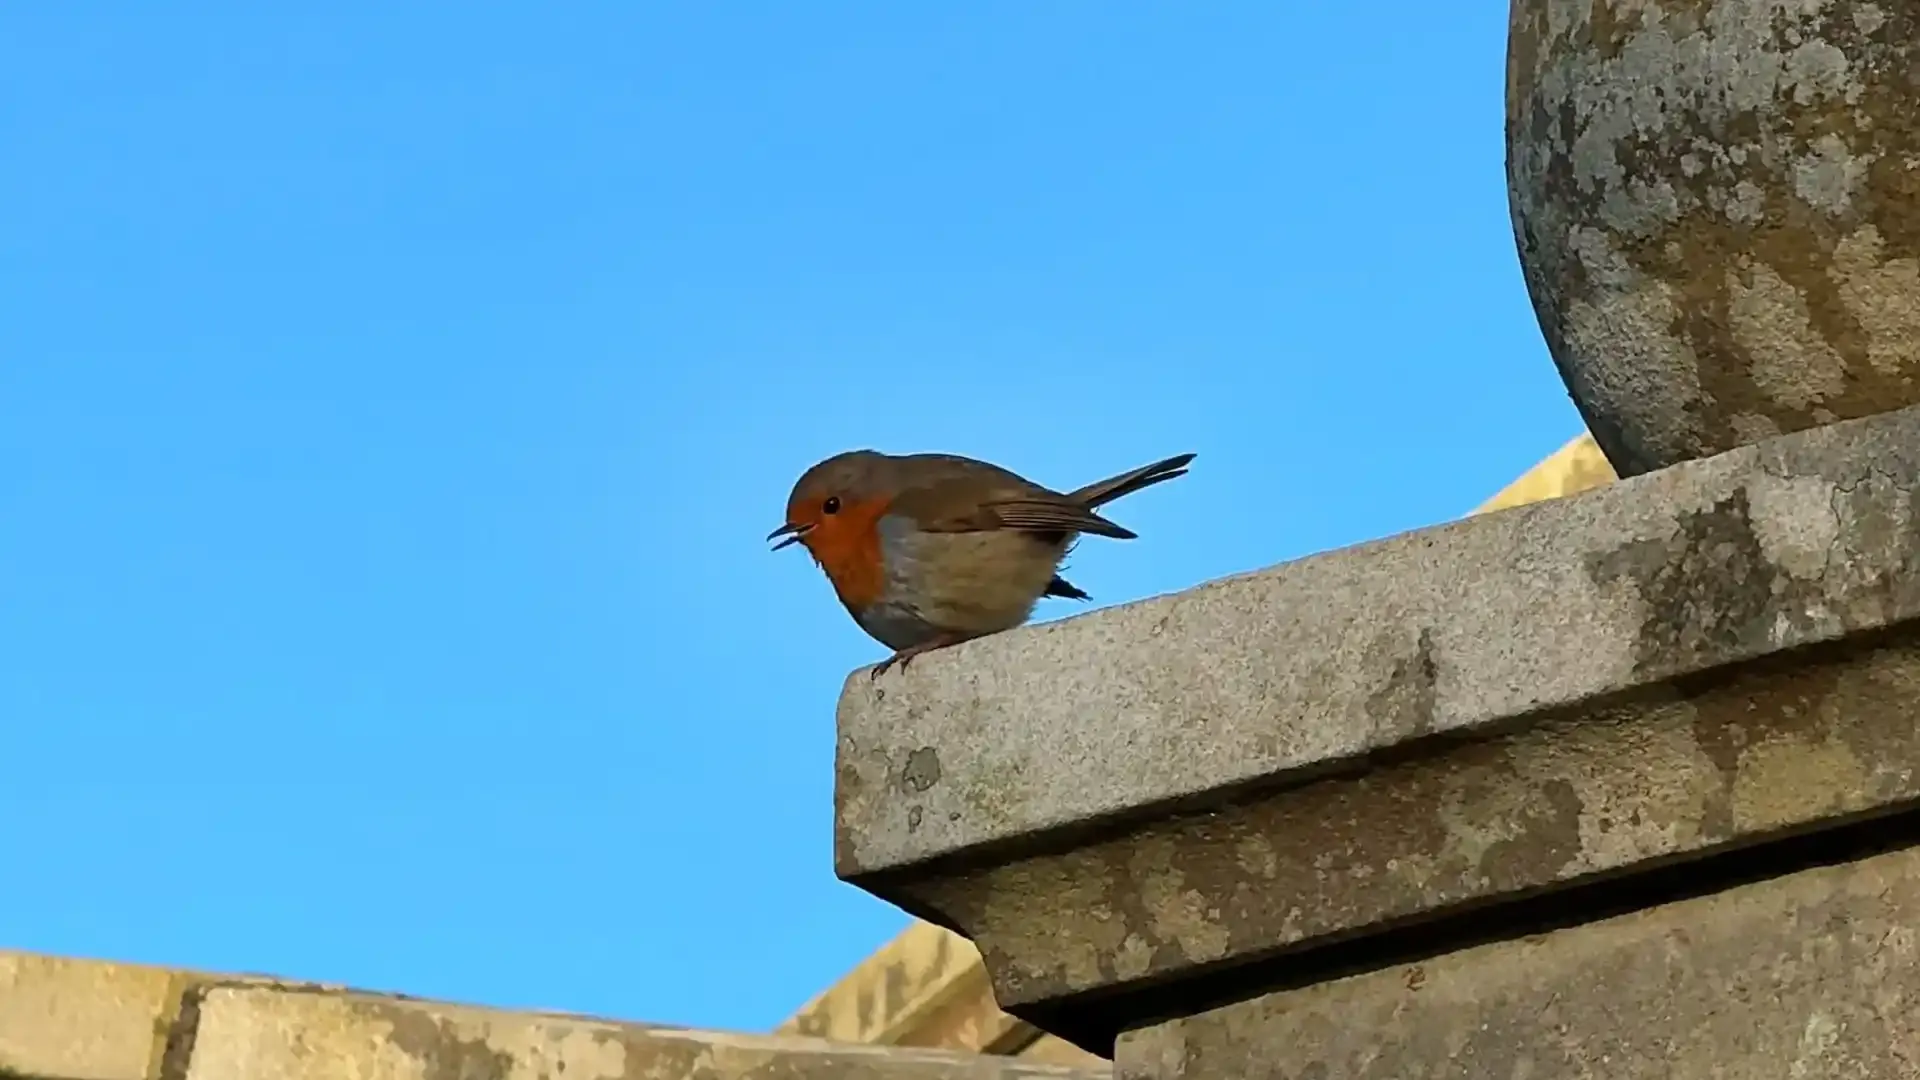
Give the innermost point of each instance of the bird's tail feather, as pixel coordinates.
(1105, 491)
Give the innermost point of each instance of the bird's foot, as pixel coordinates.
(905, 656)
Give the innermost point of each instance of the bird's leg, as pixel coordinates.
(905, 656)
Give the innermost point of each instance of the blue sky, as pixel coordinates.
(394, 399)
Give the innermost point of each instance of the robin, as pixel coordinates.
(929, 550)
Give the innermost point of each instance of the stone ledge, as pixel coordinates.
(252, 1034)
(1815, 974)
(1746, 757)
(1668, 703)
(1271, 676)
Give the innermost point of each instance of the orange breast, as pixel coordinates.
(847, 547)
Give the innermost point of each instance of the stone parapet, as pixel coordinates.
(63, 1019)
(1200, 797)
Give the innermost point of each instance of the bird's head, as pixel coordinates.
(833, 505)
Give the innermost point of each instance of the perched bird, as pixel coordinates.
(929, 550)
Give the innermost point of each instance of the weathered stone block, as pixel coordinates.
(76, 1019)
(1717, 214)
(1816, 974)
(1117, 805)
(82, 1019)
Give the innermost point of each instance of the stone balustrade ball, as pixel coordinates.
(1717, 207)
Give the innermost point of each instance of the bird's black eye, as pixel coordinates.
(831, 506)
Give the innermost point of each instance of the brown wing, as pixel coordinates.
(1057, 513)
(981, 503)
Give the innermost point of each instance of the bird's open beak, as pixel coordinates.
(793, 533)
